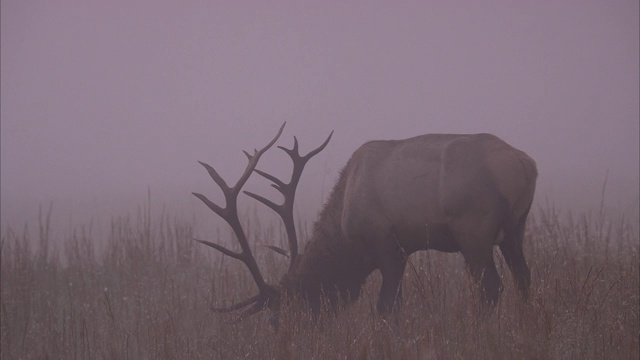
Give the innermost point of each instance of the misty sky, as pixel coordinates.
(101, 100)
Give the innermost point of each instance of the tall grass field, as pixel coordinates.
(146, 293)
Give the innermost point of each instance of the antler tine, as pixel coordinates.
(222, 249)
(293, 152)
(255, 308)
(230, 214)
(238, 306)
(285, 210)
(253, 161)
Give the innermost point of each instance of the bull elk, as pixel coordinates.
(451, 193)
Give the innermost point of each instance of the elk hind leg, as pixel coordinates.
(484, 273)
(511, 248)
(475, 237)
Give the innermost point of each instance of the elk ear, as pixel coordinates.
(279, 250)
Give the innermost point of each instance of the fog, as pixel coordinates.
(102, 101)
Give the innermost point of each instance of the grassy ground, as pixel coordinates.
(146, 293)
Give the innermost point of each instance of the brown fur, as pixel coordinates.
(454, 193)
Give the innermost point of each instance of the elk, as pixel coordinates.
(447, 192)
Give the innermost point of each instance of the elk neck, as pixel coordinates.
(331, 267)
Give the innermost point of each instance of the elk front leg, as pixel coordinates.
(390, 297)
(392, 261)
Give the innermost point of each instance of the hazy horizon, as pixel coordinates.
(101, 101)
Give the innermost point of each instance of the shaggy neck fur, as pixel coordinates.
(332, 267)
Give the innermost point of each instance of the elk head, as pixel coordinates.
(268, 295)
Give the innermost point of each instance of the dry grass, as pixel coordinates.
(146, 294)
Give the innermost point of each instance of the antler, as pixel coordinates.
(288, 190)
(230, 214)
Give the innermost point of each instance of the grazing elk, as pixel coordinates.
(452, 193)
